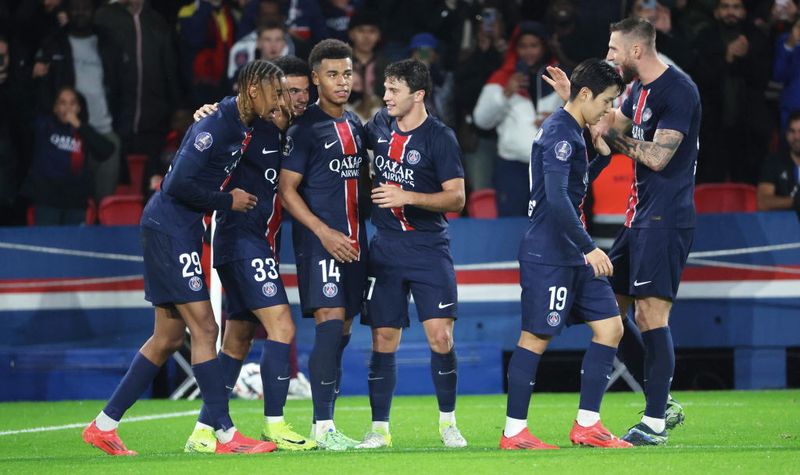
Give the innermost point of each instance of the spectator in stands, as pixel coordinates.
(671, 41)
(8, 157)
(516, 100)
(786, 70)
(58, 181)
(35, 20)
(80, 57)
(779, 185)
(269, 41)
(337, 15)
(423, 47)
(150, 88)
(306, 22)
(732, 75)
(366, 95)
(207, 32)
(255, 12)
(479, 145)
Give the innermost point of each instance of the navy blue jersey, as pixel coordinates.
(254, 233)
(207, 156)
(664, 199)
(420, 161)
(556, 235)
(330, 153)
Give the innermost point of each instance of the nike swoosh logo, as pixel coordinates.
(329, 145)
(283, 378)
(328, 383)
(382, 140)
(636, 283)
(534, 254)
(449, 372)
(532, 383)
(296, 442)
(204, 444)
(234, 152)
(267, 152)
(445, 306)
(374, 379)
(229, 388)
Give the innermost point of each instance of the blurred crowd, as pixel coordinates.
(84, 84)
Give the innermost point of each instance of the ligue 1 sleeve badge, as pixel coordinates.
(563, 150)
(203, 141)
(196, 283)
(330, 290)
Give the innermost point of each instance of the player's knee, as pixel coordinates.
(651, 317)
(441, 340)
(236, 345)
(205, 331)
(385, 340)
(169, 344)
(613, 331)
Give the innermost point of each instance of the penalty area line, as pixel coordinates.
(151, 417)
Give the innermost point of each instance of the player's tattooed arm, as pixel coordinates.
(654, 155)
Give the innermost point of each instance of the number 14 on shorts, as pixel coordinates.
(330, 270)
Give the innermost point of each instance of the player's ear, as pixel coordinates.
(315, 77)
(419, 96)
(586, 94)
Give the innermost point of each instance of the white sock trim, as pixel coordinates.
(380, 426)
(105, 423)
(658, 425)
(448, 417)
(587, 418)
(273, 419)
(323, 427)
(201, 426)
(225, 436)
(514, 426)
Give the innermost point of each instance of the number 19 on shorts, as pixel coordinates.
(558, 297)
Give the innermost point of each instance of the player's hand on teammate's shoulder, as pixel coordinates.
(600, 263)
(337, 244)
(205, 110)
(242, 200)
(559, 81)
(389, 196)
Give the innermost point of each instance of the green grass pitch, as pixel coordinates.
(725, 432)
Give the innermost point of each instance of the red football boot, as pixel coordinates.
(524, 441)
(596, 436)
(106, 440)
(244, 445)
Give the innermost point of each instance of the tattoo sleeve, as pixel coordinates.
(654, 155)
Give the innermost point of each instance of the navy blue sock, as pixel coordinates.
(275, 375)
(659, 368)
(211, 382)
(138, 378)
(521, 378)
(444, 370)
(339, 354)
(598, 362)
(322, 368)
(231, 367)
(631, 350)
(382, 381)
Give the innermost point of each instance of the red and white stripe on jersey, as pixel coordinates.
(633, 200)
(397, 150)
(346, 138)
(397, 146)
(640, 105)
(400, 212)
(274, 225)
(351, 209)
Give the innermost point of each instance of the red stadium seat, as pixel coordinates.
(482, 204)
(120, 210)
(725, 198)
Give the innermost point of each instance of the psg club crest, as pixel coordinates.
(196, 283)
(563, 150)
(330, 290)
(553, 319)
(269, 289)
(412, 157)
(203, 141)
(646, 114)
(288, 146)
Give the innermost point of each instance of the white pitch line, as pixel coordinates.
(168, 415)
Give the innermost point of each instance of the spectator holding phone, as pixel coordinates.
(516, 100)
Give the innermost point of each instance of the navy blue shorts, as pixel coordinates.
(648, 261)
(416, 264)
(172, 270)
(251, 284)
(324, 283)
(555, 296)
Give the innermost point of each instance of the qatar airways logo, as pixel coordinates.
(347, 167)
(66, 143)
(391, 170)
(271, 175)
